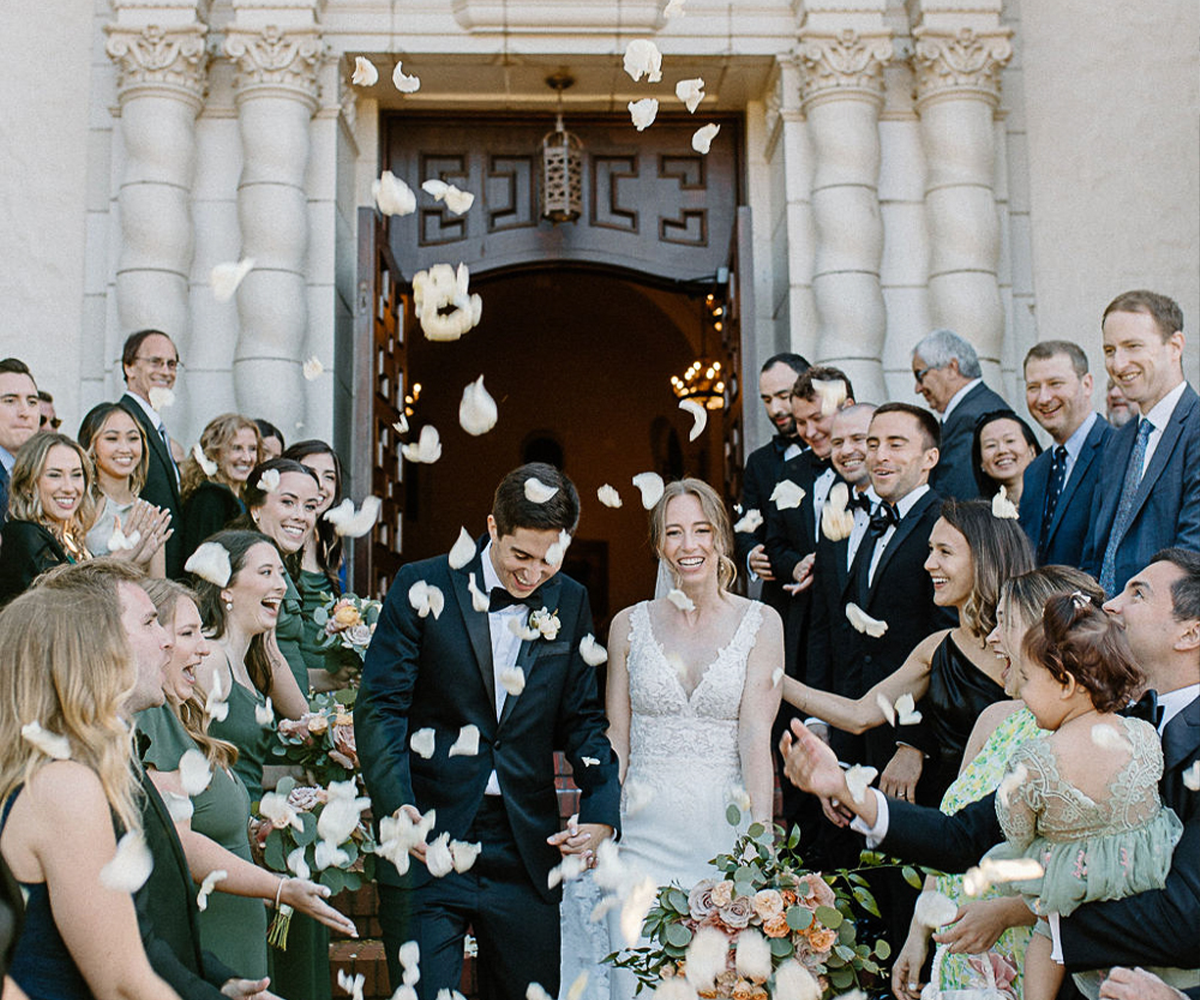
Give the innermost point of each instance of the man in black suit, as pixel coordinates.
(150, 363)
(450, 675)
(1160, 611)
(18, 419)
(1056, 500)
(947, 372)
(763, 468)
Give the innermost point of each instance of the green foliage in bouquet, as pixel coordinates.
(321, 742)
(348, 622)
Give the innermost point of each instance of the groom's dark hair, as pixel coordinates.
(512, 509)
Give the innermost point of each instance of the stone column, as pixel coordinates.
(161, 72)
(957, 59)
(275, 90)
(843, 53)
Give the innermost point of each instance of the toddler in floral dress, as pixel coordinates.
(1082, 801)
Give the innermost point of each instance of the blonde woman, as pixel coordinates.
(50, 509)
(69, 668)
(211, 491)
(690, 701)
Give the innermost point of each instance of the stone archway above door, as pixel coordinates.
(651, 203)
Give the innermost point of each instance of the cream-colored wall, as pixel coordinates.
(1112, 102)
(44, 79)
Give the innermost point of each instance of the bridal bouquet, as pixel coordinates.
(348, 622)
(762, 927)
(321, 741)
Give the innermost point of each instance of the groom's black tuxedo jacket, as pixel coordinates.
(1151, 928)
(437, 673)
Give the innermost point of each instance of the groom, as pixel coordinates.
(443, 672)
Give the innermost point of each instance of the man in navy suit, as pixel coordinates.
(1150, 497)
(947, 373)
(18, 419)
(1056, 500)
(452, 670)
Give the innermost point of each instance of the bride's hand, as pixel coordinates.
(580, 838)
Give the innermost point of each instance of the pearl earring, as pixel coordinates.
(229, 605)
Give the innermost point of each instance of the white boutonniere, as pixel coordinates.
(546, 622)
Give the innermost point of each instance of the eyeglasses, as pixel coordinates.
(54, 422)
(920, 375)
(170, 364)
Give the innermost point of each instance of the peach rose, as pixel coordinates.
(767, 903)
(776, 927)
(818, 892)
(742, 990)
(822, 940)
(722, 894)
(345, 751)
(759, 994)
(317, 724)
(346, 614)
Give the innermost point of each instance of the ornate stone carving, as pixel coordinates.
(848, 63)
(168, 58)
(962, 61)
(276, 58)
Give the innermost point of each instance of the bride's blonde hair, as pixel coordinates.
(714, 512)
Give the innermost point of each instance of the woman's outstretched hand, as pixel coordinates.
(309, 897)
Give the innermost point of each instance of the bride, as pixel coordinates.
(690, 699)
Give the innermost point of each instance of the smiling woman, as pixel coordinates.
(214, 475)
(1001, 451)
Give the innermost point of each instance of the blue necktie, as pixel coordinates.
(1058, 477)
(1133, 477)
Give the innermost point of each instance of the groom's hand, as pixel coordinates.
(580, 838)
(417, 850)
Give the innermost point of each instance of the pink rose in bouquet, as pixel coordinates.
(722, 894)
(700, 899)
(738, 913)
(344, 751)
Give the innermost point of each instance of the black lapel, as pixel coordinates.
(157, 444)
(530, 648)
(476, 622)
(1181, 736)
(905, 528)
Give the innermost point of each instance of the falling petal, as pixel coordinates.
(161, 397)
(787, 495)
(590, 761)
(706, 956)
(608, 496)
(637, 796)
(401, 426)
(643, 112)
(703, 137)
(642, 58)
(425, 598)
(1002, 506)
(464, 855)
(699, 417)
(264, 714)
(538, 492)
(458, 201)
(1191, 777)
(422, 742)
(477, 412)
(906, 710)
(691, 92)
(935, 910)
(740, 797)
(753, 955)
(634, 908)
(992, 871)
(207, 465)
(776, 676)
(858, 778)
(276, 808)
(1107, 738)
(268, 482)
(578, 986)
(832, 394)
(512, 679)
(681, 600)
(428, 448)
(403, 83)
(651, 486)
(535, 991)
(522, 632)
(179, 807)
(467, 744)
(215, 705)
(749, 522)
(837, 522)
(674, 8)
(592, 652)
(392, 195)
(794, 982)
(885, 706)
(410, 951)
(224, 280)
(569, 869)
(210, 881)
(297, 864)
(1011, 782)
(365, 73)
(349, 523)
(130, 866)
(329, 855)
(312, 368)
(863, 622)
(352, 986)
(195, 773)
(462, 551)
(558, 550)
(479, 598)
(51, 744)
(438, 858)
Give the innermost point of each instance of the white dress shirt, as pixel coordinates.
(903, 506)
(821, 487)
(157, 421)
(861, 520)
(1074, 444)
(506, 644)
(1160, 415)
(957, 397)
(7, 459)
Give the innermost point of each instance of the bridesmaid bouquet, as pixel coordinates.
(321, 741)
(762, 927)
(349, 622)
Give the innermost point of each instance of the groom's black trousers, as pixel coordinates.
(516, 929)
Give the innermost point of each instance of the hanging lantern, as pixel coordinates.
(562, 165)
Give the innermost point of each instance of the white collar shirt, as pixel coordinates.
(903, 506)
(862, 519)
(1074, 444)
(1160, 415)
(506, 644)
(1174, 702)
(958, 396)
(7, 459)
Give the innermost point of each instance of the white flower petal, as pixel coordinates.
(935, 910)
(776, 676)
(422, 742)
(512, 679)
(863, 622)
(279, 811)
(794, 982)
(179, 807)
(1191, 777)
(642, 58)
(753, 955)
(328, 855)
(638, 795)
(1002, 506)
(674, 988)
(438, 858)
(435, 187)
(538, 492)
(410, 956)
(858, 778)
(479, 598)
(523, 632)
(558, 550)
(592, 652)
(428, 448)
(426, 598)
(477, 413)
(130, 866)
(467, 744)
(674, 8)
(161, 397)
(401, 426)
(535, 991)
(210, 881)
(365, 73)
(702, 138)
(298, 865)
(462, 551)
(680, 600)
(787, 495)
(268, 482)
(831, 393)
(608, 496)
(740, 797)
(885, 706)
(51, 744)
(195, 773)
(210, 562)
(906, 710)
(340, 817)
(590, 761)
(643, 112)
(207, 465)
(404, 83)
(224, 280)
(463, 854)
(567, 870)
(578, 986)
(392, 195)
(1011, 782)
(312, 368)
(651, 486)
(349, 523)
(634, 907)
(699, 417)
(1107, 738)
(458, 201)
(264, 714)
(749, 522)
(706, 957)
(353, 986)
(691, 92)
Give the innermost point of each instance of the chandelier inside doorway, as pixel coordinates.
(562, 163)
(705, 378)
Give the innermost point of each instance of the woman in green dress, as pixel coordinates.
(212, 477)
(233, 923)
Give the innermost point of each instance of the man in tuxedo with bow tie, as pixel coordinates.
(474, 665)
(18, 419)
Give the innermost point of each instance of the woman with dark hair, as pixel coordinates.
(951, 676)
(213, 475)
(1001, 451)
(270, 438)
(116, 444)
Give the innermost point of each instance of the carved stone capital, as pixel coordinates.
(960, 63)
(845, 64)
(166, 60)
(286, 61)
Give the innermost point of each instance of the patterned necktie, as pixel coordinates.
(1133, 477)
(1058, 476)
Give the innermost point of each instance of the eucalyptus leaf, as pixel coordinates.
(309, 834)
(841, 978)
(678, 902)
(883, 950)
(781, 947)
(799, 917)
(274, 853)
(830, 917)
(678, 935)
(733, 815)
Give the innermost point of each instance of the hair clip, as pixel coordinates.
(1080, 600)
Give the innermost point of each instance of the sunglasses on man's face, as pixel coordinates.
(54, 422)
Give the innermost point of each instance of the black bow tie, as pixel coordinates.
(820, 465)
(499, 599)
(885, 517)
(860, 501)
(1146, 708)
